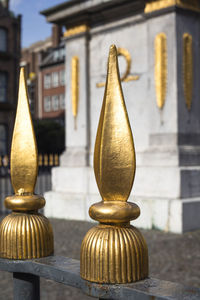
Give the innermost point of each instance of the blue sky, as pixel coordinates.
(34, 26)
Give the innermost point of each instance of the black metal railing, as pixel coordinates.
(45, 161)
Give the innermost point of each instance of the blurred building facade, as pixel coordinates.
(44, 65)
(10, 46)
(52, 77)
(31, 58)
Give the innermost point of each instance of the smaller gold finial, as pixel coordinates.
(24, 157)
(114, 251)
(29, 234)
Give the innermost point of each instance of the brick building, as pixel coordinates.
(52, 92)
(31, 58)
(44, 65)
(10, 41)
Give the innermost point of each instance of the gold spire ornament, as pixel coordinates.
(114, 251)
(24, 234)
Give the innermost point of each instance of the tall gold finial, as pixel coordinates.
(114, 251)
(24, 234)
(24, 157)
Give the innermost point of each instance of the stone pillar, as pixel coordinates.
(167, 181)
(70, 179)
(159, 43)
(77, 127)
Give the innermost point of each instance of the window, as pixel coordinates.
(3, 39)
(47, 103)
(62, 77)
(62, 52)
(55, 102)
(47, 81)
(62, 101)
(3, 139)
(55, 79)
(3, 86)
(56, 55)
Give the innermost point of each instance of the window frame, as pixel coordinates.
(5, 30)
(54, 85)
(53, 102)
(5, 87)
(47, 84)
(62, 101)
(62, 77)
(45, 105)
(5, 140)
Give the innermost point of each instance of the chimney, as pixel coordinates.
(5, 4)
(56, 35)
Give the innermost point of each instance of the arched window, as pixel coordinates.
(3, 39)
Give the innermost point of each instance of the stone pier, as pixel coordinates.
(158, 46)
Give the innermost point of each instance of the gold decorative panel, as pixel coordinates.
(75, 86)
(114, 251)
(154, 5)
(161, 68)
(187, 69)
(76, 30)
(126, 76)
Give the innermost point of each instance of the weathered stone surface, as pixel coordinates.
(166, 140)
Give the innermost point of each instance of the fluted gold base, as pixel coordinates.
(25, 236)
(114, 254)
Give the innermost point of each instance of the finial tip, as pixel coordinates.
(113, 50)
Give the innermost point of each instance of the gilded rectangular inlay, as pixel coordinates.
(161, 4)
(187, 69)
(161, 68)
(75, 86)
(76, 30)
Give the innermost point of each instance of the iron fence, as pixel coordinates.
(45, 161)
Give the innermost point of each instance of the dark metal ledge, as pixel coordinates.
(66, 270)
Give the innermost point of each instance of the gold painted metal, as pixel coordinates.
(40, 160)
(56, 160)
(5, 161)
(76, 30)
(154, 5)
(46, 160)
(161, 68)
(24, 234)
(75, 87)
(114, 251)
(188, 69)
(125, 77)
(51, 160)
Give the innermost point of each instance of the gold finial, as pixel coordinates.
(46, 160)
(51, 159)
(114, 140)
(114, 251)
(56, 159)
(24, 157)
(28, 234)
(40, 163)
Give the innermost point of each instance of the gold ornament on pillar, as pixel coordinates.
(154, 5)
(24, 234)
(126, 77)
(187, 69)
(75, 87)
(114, 251)
(161, 68)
